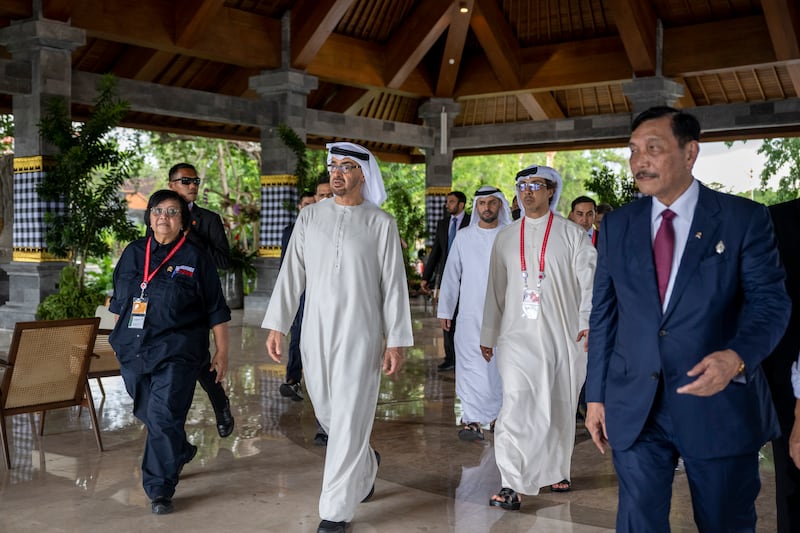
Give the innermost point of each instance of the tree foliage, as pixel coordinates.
(783, 161)
(611, 188)
(86, 179)
(405, 200)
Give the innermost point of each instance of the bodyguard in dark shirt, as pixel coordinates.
(167, 296)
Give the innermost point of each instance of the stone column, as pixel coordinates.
(46, 46)
(438, 114)
(285, 93)
(644, 93)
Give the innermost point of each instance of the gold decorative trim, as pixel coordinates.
(36, 163)
(269, 251)
(279, 180)
(35, 255)
(438, 191)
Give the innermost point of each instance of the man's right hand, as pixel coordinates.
(596, 424)
(424, 287)
(275, 345)
(445, 323)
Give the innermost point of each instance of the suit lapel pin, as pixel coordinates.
(720, 247)
(698, 235)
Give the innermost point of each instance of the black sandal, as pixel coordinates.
(566, 482)
(471, 432)
(510, 500)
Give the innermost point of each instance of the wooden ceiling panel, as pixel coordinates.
(512, 60)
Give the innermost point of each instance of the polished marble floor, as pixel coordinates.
(267, 475)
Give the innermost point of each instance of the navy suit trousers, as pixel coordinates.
(723, 489)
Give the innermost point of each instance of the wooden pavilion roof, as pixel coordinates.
(503, 61)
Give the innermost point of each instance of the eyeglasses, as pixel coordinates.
(535, 186)
(170, 212)
(186, 181)
(345, 169)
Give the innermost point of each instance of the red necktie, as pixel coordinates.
(663, 248)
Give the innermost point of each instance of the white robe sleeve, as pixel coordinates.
(585, 261)
(451, 280)
(495, 301)
(394, 285)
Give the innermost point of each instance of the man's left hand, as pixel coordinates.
(583, 334)
(219, 363)
(716, 370)
(392, 361)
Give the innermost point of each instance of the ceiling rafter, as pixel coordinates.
(312, 23)
(783, 23)
(498, 41)
(414, 38)
(193, 18)
(349, 100)
(636, 23)
(453, 49)
(540, 106)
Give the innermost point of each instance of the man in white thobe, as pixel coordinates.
(536, 314)
(356, 303)
(463, 285)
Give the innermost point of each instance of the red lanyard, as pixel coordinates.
(541, 255)
(594, 237)
(149, 276)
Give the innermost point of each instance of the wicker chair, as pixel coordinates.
(47, 368)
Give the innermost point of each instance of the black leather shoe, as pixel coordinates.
(321, 438)
(326, 526)
(189, 457)
(446, 366)
(163, 505)
(225, 420)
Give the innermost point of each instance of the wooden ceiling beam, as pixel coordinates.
(453, 50)
(636, 23)
(783, 23)
(358, 63)
(16, 9)
(498, 41)
(540, 106)
(313, 21)
(717, 46)
(414, 38)
(349, 100)
(58, 9)
(193, 18)
(235, 37)
(137, 63)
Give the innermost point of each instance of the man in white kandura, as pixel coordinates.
(536, 314)
(356, 303)
(463, 284)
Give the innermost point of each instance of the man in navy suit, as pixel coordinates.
(680, 323)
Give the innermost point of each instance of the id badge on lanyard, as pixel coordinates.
(532, 297)
(139, 305)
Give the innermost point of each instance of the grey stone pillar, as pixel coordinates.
(285, 93)
(46, 46)
(438, 114)
(644, 93)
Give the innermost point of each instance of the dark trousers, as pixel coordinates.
(787, 485)
(723, 489)
(161, 399)
(294, 365)
(449, 340)
(215, 391)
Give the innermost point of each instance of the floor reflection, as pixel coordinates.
(267, 475)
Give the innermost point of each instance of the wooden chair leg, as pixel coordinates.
(4, 438)
(93, 413)
(102, 390)
(41, 423)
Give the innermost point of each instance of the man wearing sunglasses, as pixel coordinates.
(208, 233)
(535, 323)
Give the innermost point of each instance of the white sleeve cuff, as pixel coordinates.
(796, 379)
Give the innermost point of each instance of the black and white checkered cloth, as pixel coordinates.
(29, 210)
(274, 213)
(434, 213)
